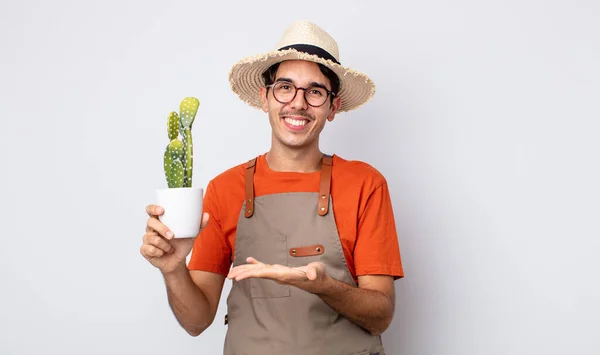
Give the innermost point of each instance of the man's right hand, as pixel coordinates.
(160, 247)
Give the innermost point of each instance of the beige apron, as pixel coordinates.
(268, 318)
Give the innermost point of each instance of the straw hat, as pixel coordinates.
(305, 41)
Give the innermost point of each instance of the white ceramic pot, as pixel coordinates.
(182, 210)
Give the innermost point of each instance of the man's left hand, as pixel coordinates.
(312, 277)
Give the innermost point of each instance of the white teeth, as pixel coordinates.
(296, 122)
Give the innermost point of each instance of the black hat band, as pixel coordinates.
(310, 49)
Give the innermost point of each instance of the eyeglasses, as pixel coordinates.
(285, 92)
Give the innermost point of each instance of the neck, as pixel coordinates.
(294, 160)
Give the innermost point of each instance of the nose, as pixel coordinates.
(299, 101)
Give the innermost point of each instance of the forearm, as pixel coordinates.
(189, 304)
(372, 310)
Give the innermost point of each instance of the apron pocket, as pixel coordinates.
(262, 288)
(271, 251)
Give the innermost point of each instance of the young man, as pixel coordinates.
(308, 239)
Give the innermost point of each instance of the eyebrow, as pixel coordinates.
(314, 83)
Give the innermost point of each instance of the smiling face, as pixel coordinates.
(297, 125)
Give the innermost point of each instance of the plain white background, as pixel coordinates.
(485, 124)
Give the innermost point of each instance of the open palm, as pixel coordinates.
(308, 277)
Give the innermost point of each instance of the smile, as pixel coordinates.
(296, 122)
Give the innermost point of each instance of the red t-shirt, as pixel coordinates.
(361, 203)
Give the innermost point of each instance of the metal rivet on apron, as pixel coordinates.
(323, 196)
(293, 251)
(322, 208)
(248, 211)
(318, 249)
(249, 200)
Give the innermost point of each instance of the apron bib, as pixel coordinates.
(265, 317)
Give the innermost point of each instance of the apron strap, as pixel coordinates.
(250, 188)
(324, 192)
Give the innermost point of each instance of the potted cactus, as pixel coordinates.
(181, 202)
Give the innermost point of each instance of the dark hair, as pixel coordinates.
(269, 77)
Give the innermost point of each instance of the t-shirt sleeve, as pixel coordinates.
(377, 249)
(211, 252)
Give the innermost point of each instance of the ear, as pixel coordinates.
(263, 99)
(337, 103)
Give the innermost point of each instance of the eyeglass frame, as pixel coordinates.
(272, 86)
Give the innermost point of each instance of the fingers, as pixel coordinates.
(155, 225)
(158, 242)
(257, 269)
(241, 269)
(254, 266)
(154, 210)
(149, 251)
(279, 273)
(241, 274)
(311, 273)
(244, 269)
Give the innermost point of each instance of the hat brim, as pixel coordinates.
(245, 78)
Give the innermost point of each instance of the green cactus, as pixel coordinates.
(178, 157)
(173, 125)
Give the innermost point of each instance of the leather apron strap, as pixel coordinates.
(250, 188)
(325, 188)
